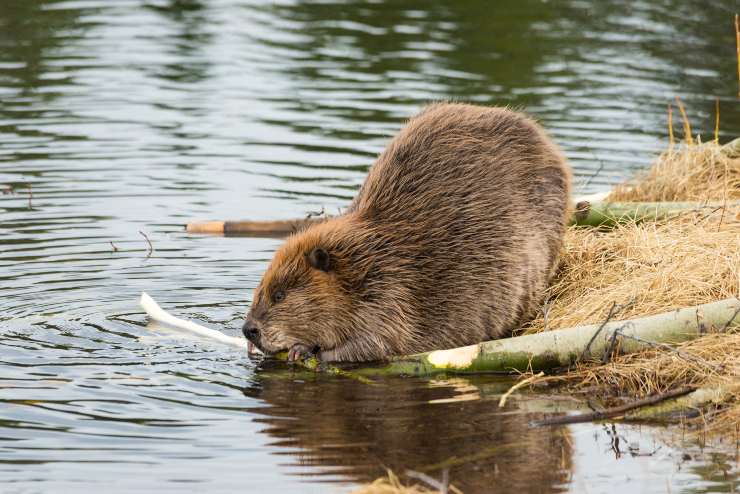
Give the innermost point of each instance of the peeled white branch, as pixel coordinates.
(156, 313)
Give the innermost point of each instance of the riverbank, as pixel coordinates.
(638, 269)
(655, 267)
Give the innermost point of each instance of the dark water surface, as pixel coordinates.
(123, 116)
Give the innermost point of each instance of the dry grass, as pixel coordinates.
(658, 266)
(655, 267)
(701, 172)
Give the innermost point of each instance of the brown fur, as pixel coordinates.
(450, 241)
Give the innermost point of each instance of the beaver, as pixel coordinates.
(450, 241)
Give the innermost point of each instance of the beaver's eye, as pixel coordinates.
(278, 296)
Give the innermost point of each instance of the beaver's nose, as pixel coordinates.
(251, 331)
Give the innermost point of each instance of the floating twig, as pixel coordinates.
(613, 411)
(312, 214)
(518, 385)
(151, 247)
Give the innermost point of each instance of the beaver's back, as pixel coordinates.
(472, 201)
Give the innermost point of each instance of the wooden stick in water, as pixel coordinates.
(277, 228)
(156, 313)
(617, 411)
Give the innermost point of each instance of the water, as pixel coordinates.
(138, 116)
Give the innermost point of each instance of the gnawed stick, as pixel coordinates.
(613, 412)
(272, 229)
(156, 313)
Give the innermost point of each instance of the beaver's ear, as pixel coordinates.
(320, 259)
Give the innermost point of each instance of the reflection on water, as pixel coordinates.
(139, 115)
(360, 430)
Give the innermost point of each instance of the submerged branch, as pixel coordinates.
(684, 405)
(613, 412)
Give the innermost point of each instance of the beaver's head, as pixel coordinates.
(314, 297)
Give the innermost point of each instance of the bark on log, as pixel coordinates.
(609, 214)
(564, 347)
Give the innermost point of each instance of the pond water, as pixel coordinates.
(128, 116)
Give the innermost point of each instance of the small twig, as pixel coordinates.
(670, 124)
(442, 486)
(593, 338)
(595, 174)
(518, 385)
(151, 247)
(115, 249)
(611, 348)
(700, 325)
(664, 346)
(613, 310)
(729, 323)
(546, 306)
(710, 213)
(311, 214)
(614, 411)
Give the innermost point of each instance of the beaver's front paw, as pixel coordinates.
(300, 352)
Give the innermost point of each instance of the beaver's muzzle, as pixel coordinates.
(251, 333)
